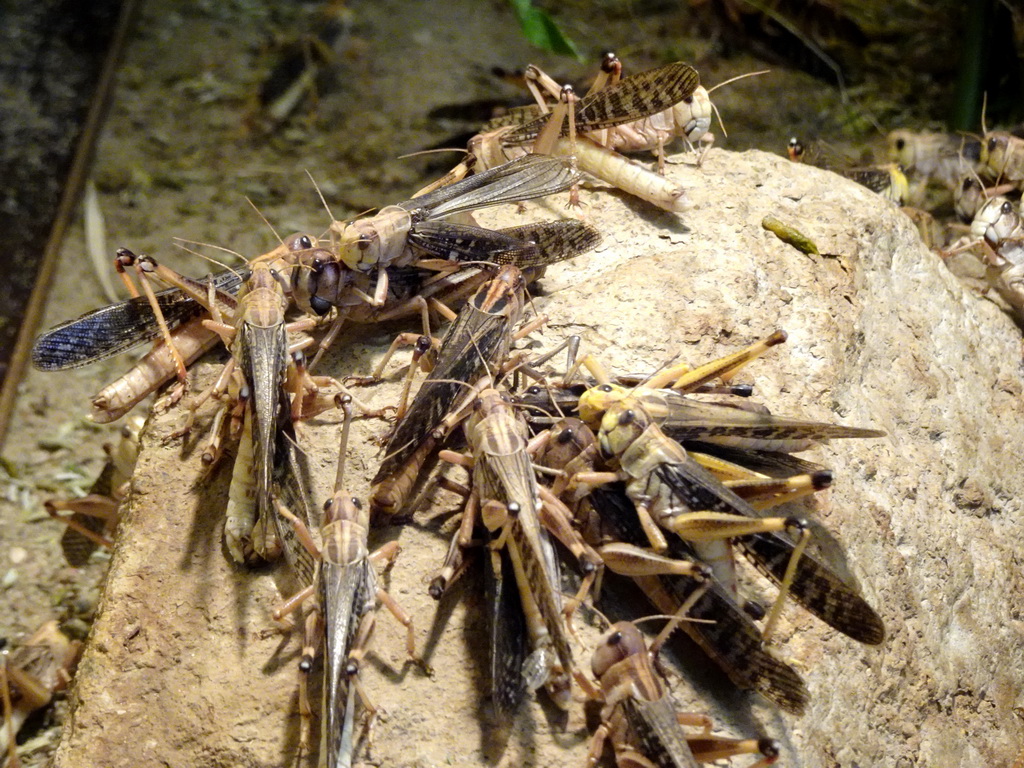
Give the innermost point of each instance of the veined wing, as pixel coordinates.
(106, 331)
(632, 98)
(816, 588)
(522, 179)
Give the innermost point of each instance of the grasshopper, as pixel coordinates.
(639, 716)
(174, 317)
(1002, 155)
(402, 234)
(345, 593)
(689, 118)
(477, 342)
(671, 491)
(725, 632)
(626, 101)
(887, 180)
(29, 677)
(257, 336)
(323, 282)
(941, 156)
(509, 501)
(94, 516)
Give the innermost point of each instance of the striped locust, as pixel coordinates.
(344, 594)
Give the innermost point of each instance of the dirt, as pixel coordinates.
(177, 161)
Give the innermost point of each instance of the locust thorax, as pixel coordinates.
(596, 400)
(379, 240)
(621, 641)
(692, 115)
(621, 426)
(996, 221)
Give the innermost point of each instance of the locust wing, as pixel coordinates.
(116, 328)
(632, 98)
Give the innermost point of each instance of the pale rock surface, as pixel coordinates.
(180, 669)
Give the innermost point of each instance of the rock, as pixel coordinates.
(180, 671)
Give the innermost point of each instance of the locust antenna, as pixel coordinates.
(265, 221)
(212, 260)
(718, 114)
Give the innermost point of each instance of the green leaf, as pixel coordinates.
(541, 30)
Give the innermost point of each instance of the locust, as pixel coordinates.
(673, 492)
(322, 281)
(689, 118)
(886, 180)
(723, 630)
(626, 101)
(506, 496)
(639, 717)
(926, 155)
(1002, 154)
(344, 593)
(94, 516)
(29, 677)
(257, 373)
(476, 343)
(409, 232)
(173, 318)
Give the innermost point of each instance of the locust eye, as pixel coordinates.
(364, 242)
(968, 183)
(614, 638)
(688, 100)
(627, 417)
(534, 390)
(305, 243)
(320, 306)
(356, 503)
(605, 388)
(1006, 207)
(900, 144)
(327, 505)
(565, 436)
(794, 142)
(992, 144)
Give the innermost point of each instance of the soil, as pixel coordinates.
(183, 160)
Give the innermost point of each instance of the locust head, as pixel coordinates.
(379, 240)
(569, 438)
(995, 151)
(621, 426)
(693, 114)
(622, 641)
(596, 400)
(996, 221)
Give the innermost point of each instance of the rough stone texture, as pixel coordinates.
(880, 335)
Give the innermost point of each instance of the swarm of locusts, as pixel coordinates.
(634, 476)
(981, 179)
